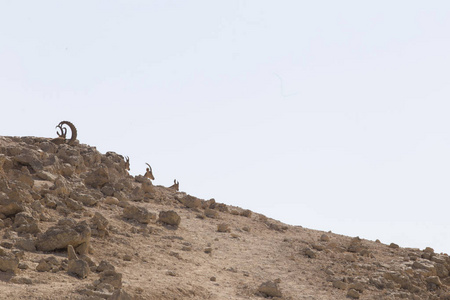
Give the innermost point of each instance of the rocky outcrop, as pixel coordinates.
(65, 233)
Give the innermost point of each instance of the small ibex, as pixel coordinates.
(175, 186)
(149, 174)
(127, 163)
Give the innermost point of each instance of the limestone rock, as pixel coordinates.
(246, 213)
(270, 288)
(111, 277)
(99, 225)
(98, 177)
(9, 206)
(60, 236)
(86, 199)
(223, 227)
(191, 202)
(8, 261)
(169, 217)
(211, 213)
(353, 294)
(76, 266)
(120, 294)
(139, 214)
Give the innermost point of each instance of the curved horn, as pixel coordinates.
(149, 167)
(63, 131)
(73, 129)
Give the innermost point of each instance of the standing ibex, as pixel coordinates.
(149, 174)
(61, 139)
(127, 163)
(175, 186)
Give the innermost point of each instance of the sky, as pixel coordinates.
(331, 115)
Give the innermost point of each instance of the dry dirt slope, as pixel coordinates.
(134, 240)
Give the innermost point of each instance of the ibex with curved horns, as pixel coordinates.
(149, 173)
(175, 186)
(63, 133)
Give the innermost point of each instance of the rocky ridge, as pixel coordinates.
(75, 225)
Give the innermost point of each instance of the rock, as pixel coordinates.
(25, 223)
(8, 261)
(105, 266)
(140, 214)
(211, 213)
(120, 294)
(86, 199)
(352, 293)
(434, 280)
(270, 288)
(223, 227)
(111, 201)
(59, 237)
(191, 202)
(324, 238)
(246, 213)
(48, 264)
(111, 277)
(97, 178)
(441, 270)
(8, 206)
(99, 225)
(394, 246)
(310, 253)
(47, 176)
(169, 217)
(26, 244)
(76, 266)
(339, 284)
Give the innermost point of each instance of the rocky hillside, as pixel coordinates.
(75, 225)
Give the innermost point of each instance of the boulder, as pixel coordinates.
(8, 261)
(60, 236)
(9, 206)
(169, 217)
(140, 214)
(97, 178)
(76, 266)
(191, 202)
(270, 288)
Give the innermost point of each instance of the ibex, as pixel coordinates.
(175, 186)
(127, 163)
(61, 139)
(149, 174)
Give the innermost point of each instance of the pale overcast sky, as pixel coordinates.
(332, 115)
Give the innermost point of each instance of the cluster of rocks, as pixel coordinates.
(355, 269)
(48, 191)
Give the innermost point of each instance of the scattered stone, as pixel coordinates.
(140, 214)
(324, 238)
(310, 253)
(121, 294)
(191, 202)
(105, 266)
(111, 277)
(169, 217)
(60, 236)
(246, 213)
(352, 293)
(339, 284)
(270, 288)
(223, 227)
(76, 266)
(211, 213)
(394, 246)
(212, 278)
(8, 261)
(127, 257)
(208, 250)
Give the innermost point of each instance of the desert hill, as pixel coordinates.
(75, 225)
